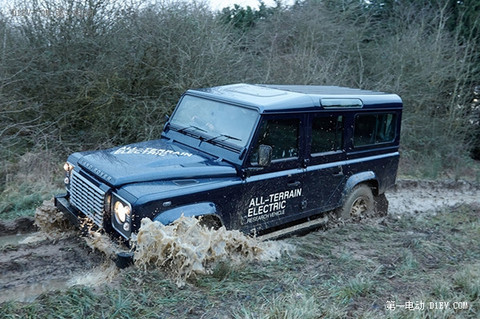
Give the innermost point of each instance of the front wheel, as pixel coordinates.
(359, 203)
(210, 222)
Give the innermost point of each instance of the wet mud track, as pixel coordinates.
(29, 269)
(31, 264)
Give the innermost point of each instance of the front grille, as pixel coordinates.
(87, 198)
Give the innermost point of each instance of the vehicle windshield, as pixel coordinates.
(215, 122)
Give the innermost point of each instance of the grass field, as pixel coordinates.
(394, 267)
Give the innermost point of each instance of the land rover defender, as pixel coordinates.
(263, 159)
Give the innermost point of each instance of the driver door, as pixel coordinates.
(273, 195)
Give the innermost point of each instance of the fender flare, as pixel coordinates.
(356, 179)
(191, 210)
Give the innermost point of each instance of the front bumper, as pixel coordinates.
(123, 259)
(62, 203)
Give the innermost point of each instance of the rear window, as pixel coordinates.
(372, 129)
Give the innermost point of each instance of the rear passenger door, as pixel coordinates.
(325, 161)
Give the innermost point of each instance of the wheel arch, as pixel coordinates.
(369, 178)
(191, 210)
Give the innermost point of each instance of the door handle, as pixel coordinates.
(339, 172)
(294, 184)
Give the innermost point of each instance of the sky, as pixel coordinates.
(214, 4)
(220, 4)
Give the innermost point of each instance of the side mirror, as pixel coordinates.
(264, 155)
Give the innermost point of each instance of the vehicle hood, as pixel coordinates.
(151, 161)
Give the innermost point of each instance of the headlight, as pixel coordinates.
(121, 210)
(68, 172)
(68, 167)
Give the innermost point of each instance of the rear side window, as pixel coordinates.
(371, 129)
(327, 134)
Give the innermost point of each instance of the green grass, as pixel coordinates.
(346, 272)
(26, 183)
(23, 199)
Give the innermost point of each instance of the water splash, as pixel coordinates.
(51, 221)
(186, 247)
(183, 249)
(101, 242)
(33, 238)
(100, 275)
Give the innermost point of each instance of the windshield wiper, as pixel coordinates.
(184, 129)
(227, 137)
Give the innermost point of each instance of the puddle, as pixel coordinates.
(101, 275)
(21, 239)
(57, 258)
(12, 239)
(33, 238)
(29, 292)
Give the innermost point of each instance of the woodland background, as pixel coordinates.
(89, 74)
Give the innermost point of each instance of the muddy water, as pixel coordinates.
(57, 257)
(27, 270)
(54, 258)
(414, 197)
(28, 292)
(101, 275)
(186, 248)
(12, 239)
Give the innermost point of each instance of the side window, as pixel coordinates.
(327, 134)
(371, 129)
(281, 135)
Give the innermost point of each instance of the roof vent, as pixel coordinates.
(255, 90)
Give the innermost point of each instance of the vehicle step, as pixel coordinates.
(293, 229)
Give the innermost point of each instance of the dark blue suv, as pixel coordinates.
(264, 159)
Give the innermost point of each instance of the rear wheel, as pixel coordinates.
(359, 203)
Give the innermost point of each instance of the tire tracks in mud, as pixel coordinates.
(423, 196)
(29, 269)
(31, 263)
(42, 254)
(19, 225)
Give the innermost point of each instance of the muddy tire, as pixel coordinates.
(359, 203)
(381, 205)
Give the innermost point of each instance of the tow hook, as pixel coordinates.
(124, 259)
